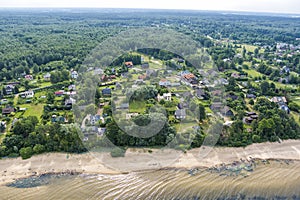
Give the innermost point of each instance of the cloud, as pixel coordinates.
(286, 6)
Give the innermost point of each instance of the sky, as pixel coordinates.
(275, 6)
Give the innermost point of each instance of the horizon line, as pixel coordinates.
(168, 9)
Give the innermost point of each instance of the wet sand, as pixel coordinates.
(142, 160)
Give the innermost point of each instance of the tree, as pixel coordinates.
(264, 87)
(38, 148)
(202, 113)
(26, 152)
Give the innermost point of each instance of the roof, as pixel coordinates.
(180, 112)
(129, 63)
(106, 91)
(8, 110)
(279, 100)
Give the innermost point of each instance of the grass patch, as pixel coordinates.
(253, 73)
(137, 107)
(296, 117)
(33, 110)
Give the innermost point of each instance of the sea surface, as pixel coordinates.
(274, 179)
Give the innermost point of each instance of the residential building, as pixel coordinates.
(180, 114)
(27, 94)
(165, 96)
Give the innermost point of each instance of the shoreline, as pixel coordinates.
(138, 160)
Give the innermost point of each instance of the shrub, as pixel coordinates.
(117, 152)
(26, 152)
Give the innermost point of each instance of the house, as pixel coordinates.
(27, 94)
(200, 93)
(226, 111)
(56, 118)
(250, 117)
(124, 106)
(248, 120)
(285, 108)
(129, 64)
(165, 96)
(7, 110)
(47, 77)
(217, 92)
(98, 71)
(232, 96)
(104, 78)
(150, 72)
(217, 106)
(101, 131)
(164, 83)
(9, 89)
(130, 115)
(74, 74)
(286, 69)
(279, 100)
(182, 105)
(180, 114)
(251, 96)
(94, 119)
(118, 86)
(235, 75)
(189, 79)
(145, 65)
(3, 101)
(106, 92)
(70, 102)
(113, 76)
(139, 82)
(28, 77)
(59, 93)
(72, 87)
(142, 77)
(228, 123)
(175, 84)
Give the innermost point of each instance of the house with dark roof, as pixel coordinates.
(124, 106)
(251, 96)
(180, 114)
(7, 110)
(9, 89)
(226, 111)
(200, 93)
(106, 92)
(145, 65)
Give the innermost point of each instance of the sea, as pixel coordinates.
(262, 179)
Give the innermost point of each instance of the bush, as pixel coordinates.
(38, 148)
(117, 152)
(26, 152)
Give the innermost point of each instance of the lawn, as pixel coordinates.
(137, 107)
(33, 110)
(296, 116)
(253, 73)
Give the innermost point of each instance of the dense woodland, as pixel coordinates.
(37, 42)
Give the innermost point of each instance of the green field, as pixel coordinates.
(253, 73)
(33, 110)
(137, 107)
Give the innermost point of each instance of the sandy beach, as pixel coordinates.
(141, 159)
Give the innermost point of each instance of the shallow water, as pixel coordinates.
(274, 180)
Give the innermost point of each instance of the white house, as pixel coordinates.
(74, 74)
(27, 94)
(165, 96)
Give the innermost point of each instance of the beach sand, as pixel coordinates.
(140, 159)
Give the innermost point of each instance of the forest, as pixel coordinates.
(244, 48)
